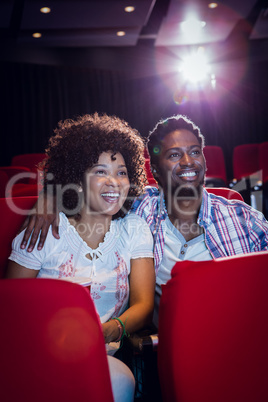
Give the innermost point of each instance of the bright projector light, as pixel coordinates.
(195, 67)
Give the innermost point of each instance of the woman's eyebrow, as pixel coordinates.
(99, 165)
(105, 166)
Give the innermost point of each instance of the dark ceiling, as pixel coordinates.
(89, 23)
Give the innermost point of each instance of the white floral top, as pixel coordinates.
(109, 266)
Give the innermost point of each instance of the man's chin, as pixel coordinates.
(187, 191)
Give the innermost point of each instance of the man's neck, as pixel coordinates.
(184, 213)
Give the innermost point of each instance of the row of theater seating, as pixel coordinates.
(29, 181)
(250, 171)
(188, 361)
(13, 212)
(247, 159)
(212, 346)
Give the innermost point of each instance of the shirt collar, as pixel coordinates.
(205, 209)
(162, 210)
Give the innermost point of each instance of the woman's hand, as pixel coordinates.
(111, 331)
(39, 223)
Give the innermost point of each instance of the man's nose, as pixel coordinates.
(186, 160)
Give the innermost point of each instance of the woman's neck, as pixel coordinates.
(92, 228)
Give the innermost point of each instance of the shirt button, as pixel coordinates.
(182, 252)
(185, 245)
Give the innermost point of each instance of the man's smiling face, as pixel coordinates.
(181, 164)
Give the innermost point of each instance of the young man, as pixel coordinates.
(186, 221)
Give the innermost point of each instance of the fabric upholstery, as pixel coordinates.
(13, 212)
(216, 169)
(213, 331)
(245, 160)
(52, 347)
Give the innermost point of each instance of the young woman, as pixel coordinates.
(95, 168)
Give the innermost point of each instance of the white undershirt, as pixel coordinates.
(177, 249)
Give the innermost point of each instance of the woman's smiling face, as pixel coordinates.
(106, 185)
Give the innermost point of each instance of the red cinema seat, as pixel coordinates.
(225, 192)
(150, 177)
(216, 169)
(13, 212)
(30, 161)
(19, 174)
(263, 164)
(213, 331)
(52, 346)
(245, 160)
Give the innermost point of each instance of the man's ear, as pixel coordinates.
(154, 171)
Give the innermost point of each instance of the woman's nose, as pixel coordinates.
(111, 180)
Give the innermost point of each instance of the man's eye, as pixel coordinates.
(100, 172)
(196, 152)
(122, 173)
(174, 155)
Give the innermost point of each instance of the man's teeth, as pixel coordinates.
(188, 174)
(115, 195)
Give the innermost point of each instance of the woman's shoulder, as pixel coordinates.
(134, 227)
(133, 220)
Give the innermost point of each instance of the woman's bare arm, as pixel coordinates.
(141, 300)
(15, 270)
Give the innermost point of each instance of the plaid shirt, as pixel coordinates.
(231, 226)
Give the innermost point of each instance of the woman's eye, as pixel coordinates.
(100, 172)
(122, 173)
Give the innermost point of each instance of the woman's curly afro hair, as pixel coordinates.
(77, 145)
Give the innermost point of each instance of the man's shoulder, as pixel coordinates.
(234, 208)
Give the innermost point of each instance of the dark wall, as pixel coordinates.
(38, 91)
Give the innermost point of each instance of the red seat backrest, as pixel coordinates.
(213, 331)
(14, 171)
(245, 160)
(263, 160)
(150, 177)
(225, 192)
(31, 161)
(52, 343)
(3, 183)
(215, 162)
(28, 160)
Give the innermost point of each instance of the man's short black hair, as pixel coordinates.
(166, 126)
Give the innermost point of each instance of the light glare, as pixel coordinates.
(195, 67)
(37, 35)
(192, 27)
(129, 9)
(45, 10)
(120, 33)
(213, 5)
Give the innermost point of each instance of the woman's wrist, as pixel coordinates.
(120, 328)
(114, 330)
